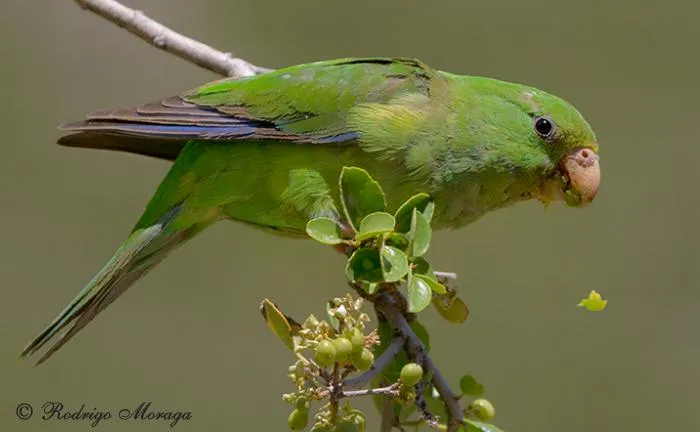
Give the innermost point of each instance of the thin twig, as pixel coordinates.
(380, 363)
(387, 307)
(312, 364)
(335, 393)
(160, 36)
(388, 418)
(392, 390)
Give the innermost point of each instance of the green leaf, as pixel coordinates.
(397, 240)
(435, 405)
(378, 399)
(455, 311)
(419, 234)
(434, 285)
(429, 211)
(365, 265)
(419, 294)
(477, 426)
(404, 214)
(374, 224)
(470, 386)
(360, 195)
(277, 322)
(421, 332)
(422, 267)
(324, 230)
(394, 264)
(385, 336)
(594, 302)
(407, 411)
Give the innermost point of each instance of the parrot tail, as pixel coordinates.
(142, 250)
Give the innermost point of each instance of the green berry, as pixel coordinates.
(362, 360)
(482, 409)
(302, 403)
(325, 353)
(298, 419)
(357, 340)
(343, 349)
(411, 374)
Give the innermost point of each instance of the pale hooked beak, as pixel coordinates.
(581, 169)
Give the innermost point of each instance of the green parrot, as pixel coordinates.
(267, 151)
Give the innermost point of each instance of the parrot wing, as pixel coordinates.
(307, 103)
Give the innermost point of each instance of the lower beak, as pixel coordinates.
(581, 168)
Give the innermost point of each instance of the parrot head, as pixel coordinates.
(557, 129)
(541, 137)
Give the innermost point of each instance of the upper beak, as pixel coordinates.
(581, 168)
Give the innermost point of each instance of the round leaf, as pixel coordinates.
(470, 386)
(404, 214)
(455, 312)
(422, 267)
(419, 234)
(374, 224)
(324, 230)
(419, 294)
(434, 285)
(360, 195)
(365, 266)
(394, 264)
(397, 240)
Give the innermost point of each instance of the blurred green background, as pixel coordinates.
(189, 337)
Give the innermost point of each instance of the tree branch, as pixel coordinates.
(380, 363)
(394, 316)
(160, 36)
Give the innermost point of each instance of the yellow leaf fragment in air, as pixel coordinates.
(594, 302)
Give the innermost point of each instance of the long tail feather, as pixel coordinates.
(135, 257)
(161, 148)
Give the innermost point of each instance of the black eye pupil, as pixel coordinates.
(543, 126)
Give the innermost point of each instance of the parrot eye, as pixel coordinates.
(544, 127)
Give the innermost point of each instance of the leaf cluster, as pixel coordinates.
(385, 255)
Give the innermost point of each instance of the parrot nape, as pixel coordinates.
(267, 151)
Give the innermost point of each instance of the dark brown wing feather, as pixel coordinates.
(159, 129)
